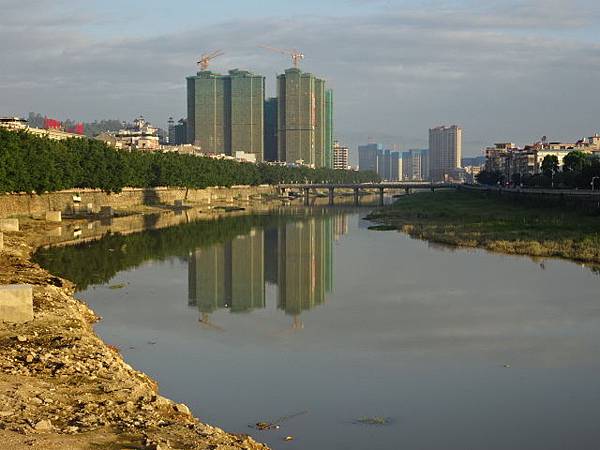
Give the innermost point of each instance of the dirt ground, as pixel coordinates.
(61, 387)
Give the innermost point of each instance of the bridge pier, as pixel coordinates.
(381, 196)
(408, 191)
(331, 193)
(306, 196)
(356, 196)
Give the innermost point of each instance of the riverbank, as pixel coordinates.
(62, 387)
(471, 219)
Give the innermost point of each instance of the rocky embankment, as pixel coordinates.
(62, 387)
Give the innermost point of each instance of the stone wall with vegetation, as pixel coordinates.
(34, 205)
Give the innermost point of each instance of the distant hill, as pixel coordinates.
(473, 161)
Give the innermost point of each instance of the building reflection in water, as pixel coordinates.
(295, 256)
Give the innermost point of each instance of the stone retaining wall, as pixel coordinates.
(12, 205)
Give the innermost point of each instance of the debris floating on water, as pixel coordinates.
(117, 286)
(374, 420)
(274, 425)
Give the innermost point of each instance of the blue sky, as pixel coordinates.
(503, 70)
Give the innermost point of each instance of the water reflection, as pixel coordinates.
(228, 275)
(296, 257)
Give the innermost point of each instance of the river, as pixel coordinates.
(348, 338)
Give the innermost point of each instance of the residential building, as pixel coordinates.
(445, 151)
(407, 171)
(226, 112)
(425, 171)
(396, 169)
(328, 128)
(367, 157)
(496, 156)
(303, 130)
(13, 123)
(413, 162)
(515, 162)
(591, 144)
(271, 129)
(20, 124)
(177, 132)
(139, 136)
(340, 156)
(384, 164)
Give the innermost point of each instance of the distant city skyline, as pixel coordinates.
(505, 70)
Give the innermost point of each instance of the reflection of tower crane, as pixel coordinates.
(296, 55)
(207, 58)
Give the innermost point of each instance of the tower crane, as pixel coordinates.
(296, 55)
(207, 58)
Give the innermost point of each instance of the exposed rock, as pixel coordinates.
(180, 407)
(43, 426)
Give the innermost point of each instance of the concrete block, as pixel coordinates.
(9, 225)
(16, 303)
(53, 216)
(90, 208)
(55, 232)
(107, 211)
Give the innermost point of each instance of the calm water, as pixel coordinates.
(257, 318)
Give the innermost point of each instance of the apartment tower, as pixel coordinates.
(303, 129)
(226, 112)
(445, 151)
(340, 156)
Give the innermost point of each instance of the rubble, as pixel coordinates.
(63, 387)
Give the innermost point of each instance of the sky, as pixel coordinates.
(504, 70)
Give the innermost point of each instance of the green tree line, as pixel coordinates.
(579, 170)
(30, 163)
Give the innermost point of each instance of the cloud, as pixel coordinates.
(510, 71)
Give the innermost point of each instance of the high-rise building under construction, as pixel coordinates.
(304, 119)
(226, 112)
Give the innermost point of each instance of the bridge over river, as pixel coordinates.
(313, 188)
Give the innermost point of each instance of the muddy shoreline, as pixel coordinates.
(63, 387)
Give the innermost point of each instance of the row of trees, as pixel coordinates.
(579, 170)
(29, 163)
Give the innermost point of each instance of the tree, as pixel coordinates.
(575, 161)
(31, 163)
(550, 165)
(490, 178)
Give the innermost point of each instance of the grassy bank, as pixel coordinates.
(476, 220)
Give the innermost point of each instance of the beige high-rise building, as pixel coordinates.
(445, 151)
(340, 156)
